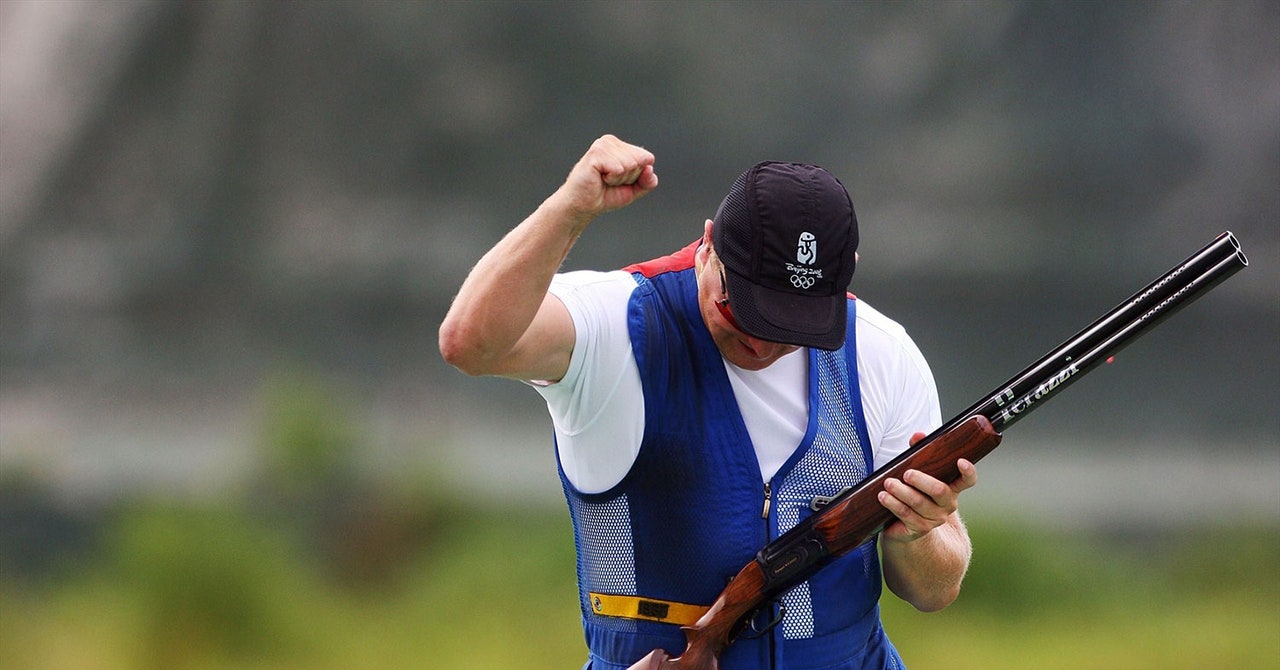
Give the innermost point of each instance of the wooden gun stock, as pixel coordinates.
(853, 516)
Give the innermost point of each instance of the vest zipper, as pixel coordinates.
(771, 608)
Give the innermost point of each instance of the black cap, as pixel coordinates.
(786, 233)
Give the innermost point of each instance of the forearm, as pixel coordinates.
(501, 296)
(927, 571)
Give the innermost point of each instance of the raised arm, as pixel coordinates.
(503, 322)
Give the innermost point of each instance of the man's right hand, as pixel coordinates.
(611, 175)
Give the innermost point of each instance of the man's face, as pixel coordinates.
(737, 347)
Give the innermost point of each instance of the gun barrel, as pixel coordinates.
(1118, 336)
(1103, 338)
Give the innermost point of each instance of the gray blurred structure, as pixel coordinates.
(195, 196)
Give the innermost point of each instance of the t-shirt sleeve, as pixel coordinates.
(899, 395)
(597, 408)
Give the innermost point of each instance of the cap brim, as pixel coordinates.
(785, 317)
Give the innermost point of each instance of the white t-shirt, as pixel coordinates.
(597, 409)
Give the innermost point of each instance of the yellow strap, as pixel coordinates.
(646, 609)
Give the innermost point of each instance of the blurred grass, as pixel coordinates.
(315, 566)
(1168, 599)
(197, 588)
(186, 587)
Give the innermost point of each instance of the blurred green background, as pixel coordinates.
(229, 231)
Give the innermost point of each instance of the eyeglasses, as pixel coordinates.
(723, 303)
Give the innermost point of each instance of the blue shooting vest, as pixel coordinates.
(691, 512)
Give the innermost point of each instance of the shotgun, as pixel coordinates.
(855, 515)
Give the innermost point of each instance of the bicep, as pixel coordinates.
(544, 350)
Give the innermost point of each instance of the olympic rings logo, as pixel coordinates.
(801, 282)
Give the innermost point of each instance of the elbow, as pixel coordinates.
(933, 597)
(459, 349)
(937, 600)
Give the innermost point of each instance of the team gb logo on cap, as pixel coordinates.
(806, 254)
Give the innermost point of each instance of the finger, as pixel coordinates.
(619, 173)
(648, 179)
(625, 172)
(968, 476)
(915, 524)
(899, 508)
(611, 167)
(915, 437)
(937, 490)
(620, 163)
(908, 495)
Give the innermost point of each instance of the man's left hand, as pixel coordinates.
(922, 502)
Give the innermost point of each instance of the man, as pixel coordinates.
(705, 402)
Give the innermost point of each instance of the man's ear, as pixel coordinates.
(701, 254)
